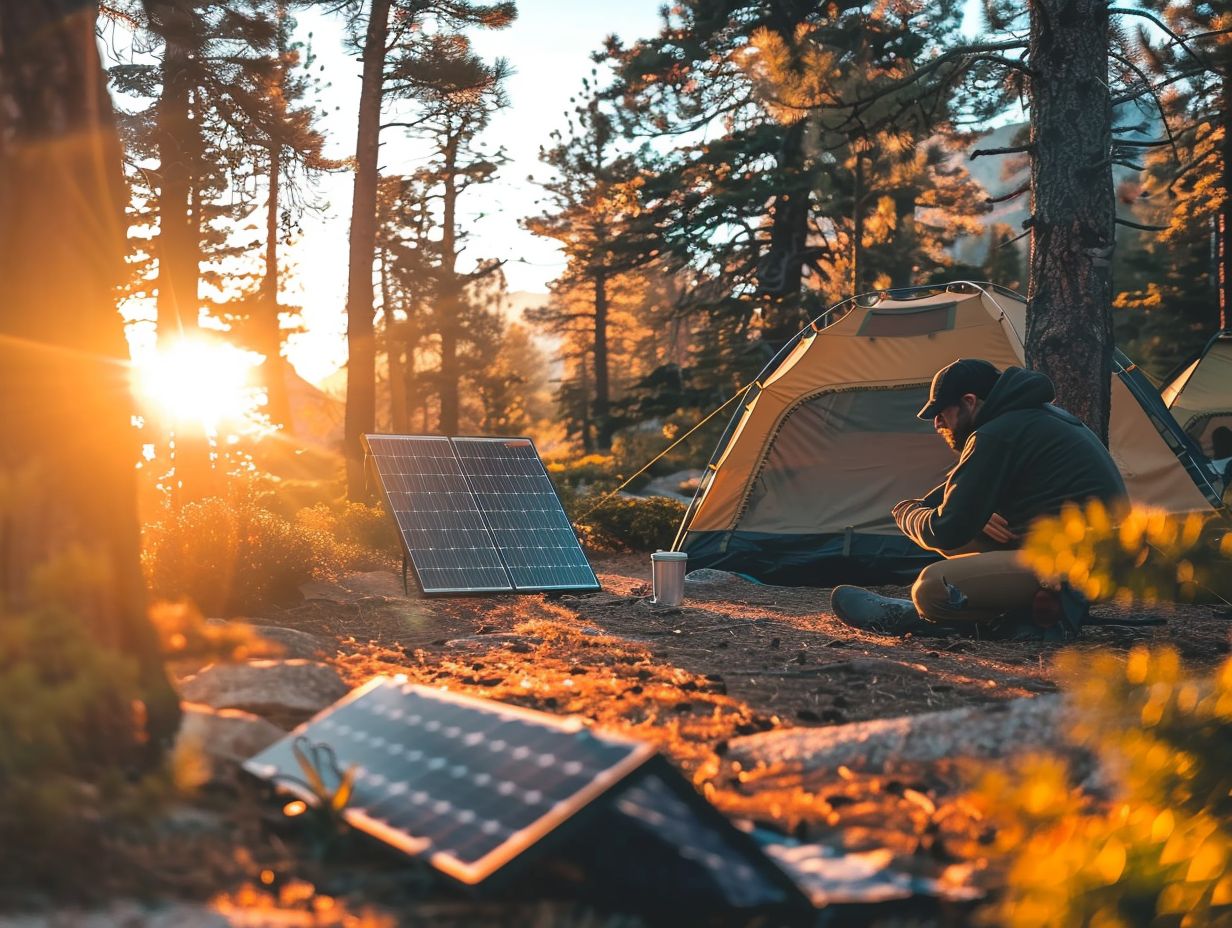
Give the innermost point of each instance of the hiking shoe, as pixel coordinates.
(871, 612)
(1059, 613)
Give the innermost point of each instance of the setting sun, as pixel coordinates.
(200, 381)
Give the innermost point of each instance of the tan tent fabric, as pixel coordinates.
(1200, 398)
(803, 460)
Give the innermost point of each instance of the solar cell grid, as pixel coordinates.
(479, 515)
(442, 528)
(524, 514)
(478, 782)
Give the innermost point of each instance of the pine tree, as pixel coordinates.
(593, 205)
(67, 460)
(386, 26)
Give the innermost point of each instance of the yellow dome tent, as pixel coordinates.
(826, 441)
(1200, 396)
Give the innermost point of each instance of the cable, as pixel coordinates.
(735, 396)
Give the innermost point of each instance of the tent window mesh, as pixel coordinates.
(904, 323)
(843, 459)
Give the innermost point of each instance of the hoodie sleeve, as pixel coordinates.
(967, 500)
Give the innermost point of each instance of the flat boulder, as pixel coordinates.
(221, 739)
(284, 642)
(986, 732)
(284, 691)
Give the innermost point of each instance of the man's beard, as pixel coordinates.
(957, 437)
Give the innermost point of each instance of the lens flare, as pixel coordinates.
(199, 382)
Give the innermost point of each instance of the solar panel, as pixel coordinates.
(478, 515)
(470, 785)
(517, 498)
(443, 531)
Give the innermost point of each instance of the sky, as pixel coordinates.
(548, 48)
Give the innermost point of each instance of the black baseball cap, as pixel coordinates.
(966, 375)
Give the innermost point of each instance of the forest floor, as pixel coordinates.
(736, 658)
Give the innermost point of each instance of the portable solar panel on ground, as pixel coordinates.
(531, 529)
(469, 785)
(478, 515)
(442, 528)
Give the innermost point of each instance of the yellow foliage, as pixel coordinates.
(1136, 553)
(1159, 852)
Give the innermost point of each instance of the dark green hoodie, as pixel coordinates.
(1025, 458)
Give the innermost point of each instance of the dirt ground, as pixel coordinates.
(736, 658)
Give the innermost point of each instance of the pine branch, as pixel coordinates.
(1006, 197)
(1009, 150)
(1176, 38)
(1163, 115)
(1016, 238)
(955, 54)
(1138, 225)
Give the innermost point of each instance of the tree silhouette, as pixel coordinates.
(66, 466)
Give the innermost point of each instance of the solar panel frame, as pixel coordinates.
(469, 873)
(572, 570)
(401, 489)
(538, 485)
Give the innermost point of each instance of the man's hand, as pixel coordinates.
(999, 530)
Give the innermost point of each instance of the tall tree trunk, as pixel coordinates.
(603, 399)
(269, 331)
(1225, 209)
(69, 451)
(361, 334)
(906, 241)
(451, 293)
(393, 353)
(588, 434)
(179, 149)
(1069, 287)
(780, 273)
(857, 222)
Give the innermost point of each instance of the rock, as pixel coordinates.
(290, 642)
(284, 690)
(294, 643)
(221, 738)
(986, 732)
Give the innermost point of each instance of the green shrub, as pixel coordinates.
(354, 524)
(231, 557)
(589, 470)
(625, 523)
(71, 733)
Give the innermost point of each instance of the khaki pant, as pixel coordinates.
(974, 586)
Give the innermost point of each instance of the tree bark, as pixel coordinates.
(179, 148)
(1069, 287)
(269, 329)
(393, 353)
(857, 223)
(68, 456)
(1225, 209)
(603, 398)
(780, 274)
(361, 329)
(451, 295)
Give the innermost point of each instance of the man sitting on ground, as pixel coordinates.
(1020, 457)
